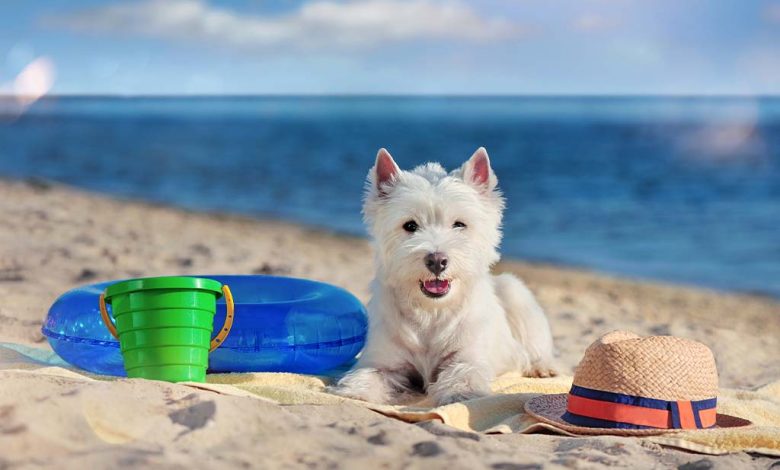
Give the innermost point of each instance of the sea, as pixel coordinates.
(678, 189)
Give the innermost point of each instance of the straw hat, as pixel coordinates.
(627, 385)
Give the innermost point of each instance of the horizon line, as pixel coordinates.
(396, 95)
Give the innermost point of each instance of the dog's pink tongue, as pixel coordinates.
(437, 286)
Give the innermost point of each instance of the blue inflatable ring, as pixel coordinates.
(281, 325)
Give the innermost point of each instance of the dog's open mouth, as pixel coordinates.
(435, 288)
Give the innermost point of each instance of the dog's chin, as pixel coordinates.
(436, 288)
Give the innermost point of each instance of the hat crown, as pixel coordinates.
(661, 367)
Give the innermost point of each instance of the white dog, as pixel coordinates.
(439, 322)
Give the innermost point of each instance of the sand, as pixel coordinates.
(53, 238)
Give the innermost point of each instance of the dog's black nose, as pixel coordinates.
(436, 262)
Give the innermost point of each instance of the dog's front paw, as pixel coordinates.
(350, 392)
(460, 381)
(364, 384)
(541, 370)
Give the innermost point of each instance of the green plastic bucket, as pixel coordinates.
(164, 325)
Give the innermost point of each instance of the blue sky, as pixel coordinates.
(396, 46)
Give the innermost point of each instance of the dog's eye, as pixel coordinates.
(458, 224)
(411, 226)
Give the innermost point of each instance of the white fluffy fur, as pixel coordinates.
(449, 347)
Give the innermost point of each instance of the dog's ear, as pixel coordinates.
(385, 171)
(477, 172)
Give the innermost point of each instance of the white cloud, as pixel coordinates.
(594, 23)
(321, 24)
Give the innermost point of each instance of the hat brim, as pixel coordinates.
(549, 409)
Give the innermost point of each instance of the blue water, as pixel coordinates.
(677, 189)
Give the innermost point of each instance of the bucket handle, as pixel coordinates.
(215, 343)
(104, 316)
